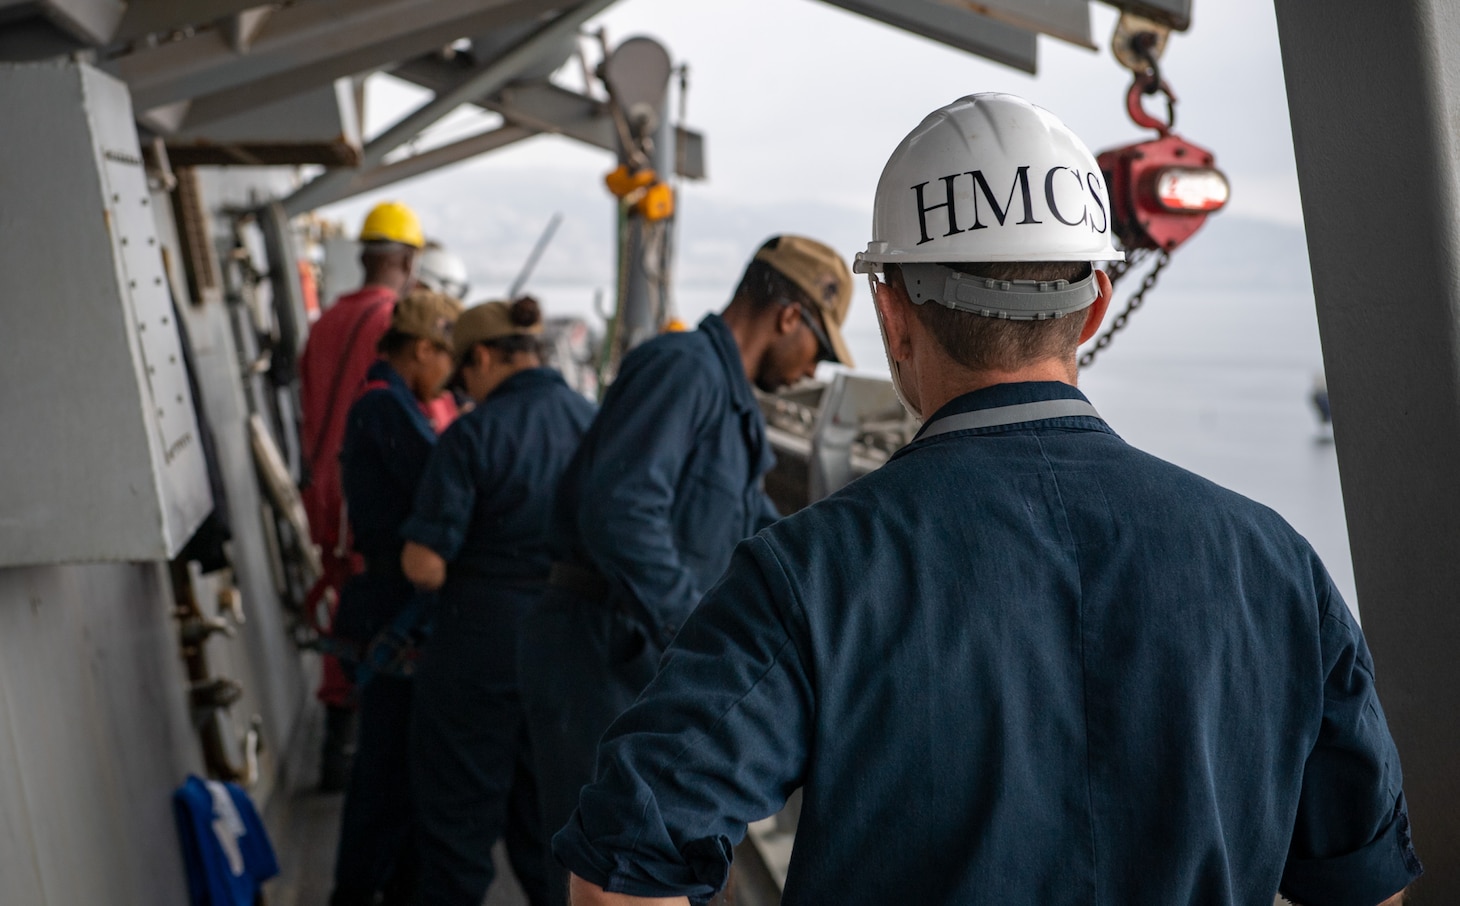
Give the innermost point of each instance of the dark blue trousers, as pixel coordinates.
(470, 760)
(581, 664)
(376, 852)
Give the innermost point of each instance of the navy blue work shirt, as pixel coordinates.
(485, 500)
(669, 477)
(1028, 663)
(387, 442)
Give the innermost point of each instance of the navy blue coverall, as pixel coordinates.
(1026, 664)
(387, 442)
(484, 506)
(665, 484)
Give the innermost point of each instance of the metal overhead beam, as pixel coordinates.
(957, 28)
(354, 54)
(242, 28)
(539, 105)
(487, 80)
(92, 21)
(300, 36)
(1068, 20)
(318, 127)
(549, 108)
(145, 17)
(1175, 13)
(545, 107)
(416, 165)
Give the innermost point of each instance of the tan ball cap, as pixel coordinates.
(489, 321)
(428, 315)
(822, 275)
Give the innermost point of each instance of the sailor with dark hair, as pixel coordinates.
(667, 481)
(478, 533)
(388, 437)
(1022, 662)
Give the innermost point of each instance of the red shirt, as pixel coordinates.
(340, 349)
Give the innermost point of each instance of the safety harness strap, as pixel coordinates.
(1007, 415)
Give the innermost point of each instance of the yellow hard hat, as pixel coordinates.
(391, 221)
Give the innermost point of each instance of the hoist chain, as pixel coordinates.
(1136, 301)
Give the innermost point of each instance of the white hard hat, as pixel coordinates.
(439, 270)
(991, 178)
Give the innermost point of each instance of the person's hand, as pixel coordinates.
(423, 566)
(586, 893)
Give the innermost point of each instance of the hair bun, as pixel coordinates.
(525, 312)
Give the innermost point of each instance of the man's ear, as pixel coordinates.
(1096, 312)
(788, 319)
(893, 310)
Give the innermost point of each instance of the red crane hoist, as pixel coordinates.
(1162, 189)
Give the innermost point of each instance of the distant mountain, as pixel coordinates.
(492, 216)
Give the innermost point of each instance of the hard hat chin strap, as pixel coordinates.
(1016, 300)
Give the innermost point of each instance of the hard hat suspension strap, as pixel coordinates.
(1016, 300)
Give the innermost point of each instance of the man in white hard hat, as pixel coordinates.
(1023, 662)
(441, 271)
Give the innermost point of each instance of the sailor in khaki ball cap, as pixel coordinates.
(666, 483)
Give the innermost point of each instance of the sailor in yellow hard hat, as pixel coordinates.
(340, 348)
(393, 222)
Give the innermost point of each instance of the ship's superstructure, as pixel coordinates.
(153, 559)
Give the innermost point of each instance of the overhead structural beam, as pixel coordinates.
(92, 21)
(361, 181)
(145, 17)
(958, 28)
(1381, 205)
(548, 108)
(351, 55)
(242, 28)
(296, 39)
(1068, 20)
(1175, 13)
(488, 80)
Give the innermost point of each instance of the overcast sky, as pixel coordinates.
(802, 101)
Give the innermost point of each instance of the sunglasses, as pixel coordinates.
(825, 352)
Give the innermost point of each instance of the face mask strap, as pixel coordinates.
(896, 372)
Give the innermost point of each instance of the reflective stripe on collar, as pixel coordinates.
(1007, 415)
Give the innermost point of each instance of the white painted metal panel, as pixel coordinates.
(101, 450)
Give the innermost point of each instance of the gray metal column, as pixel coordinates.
(1371, 91)
(636, 75)
(648, 258)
